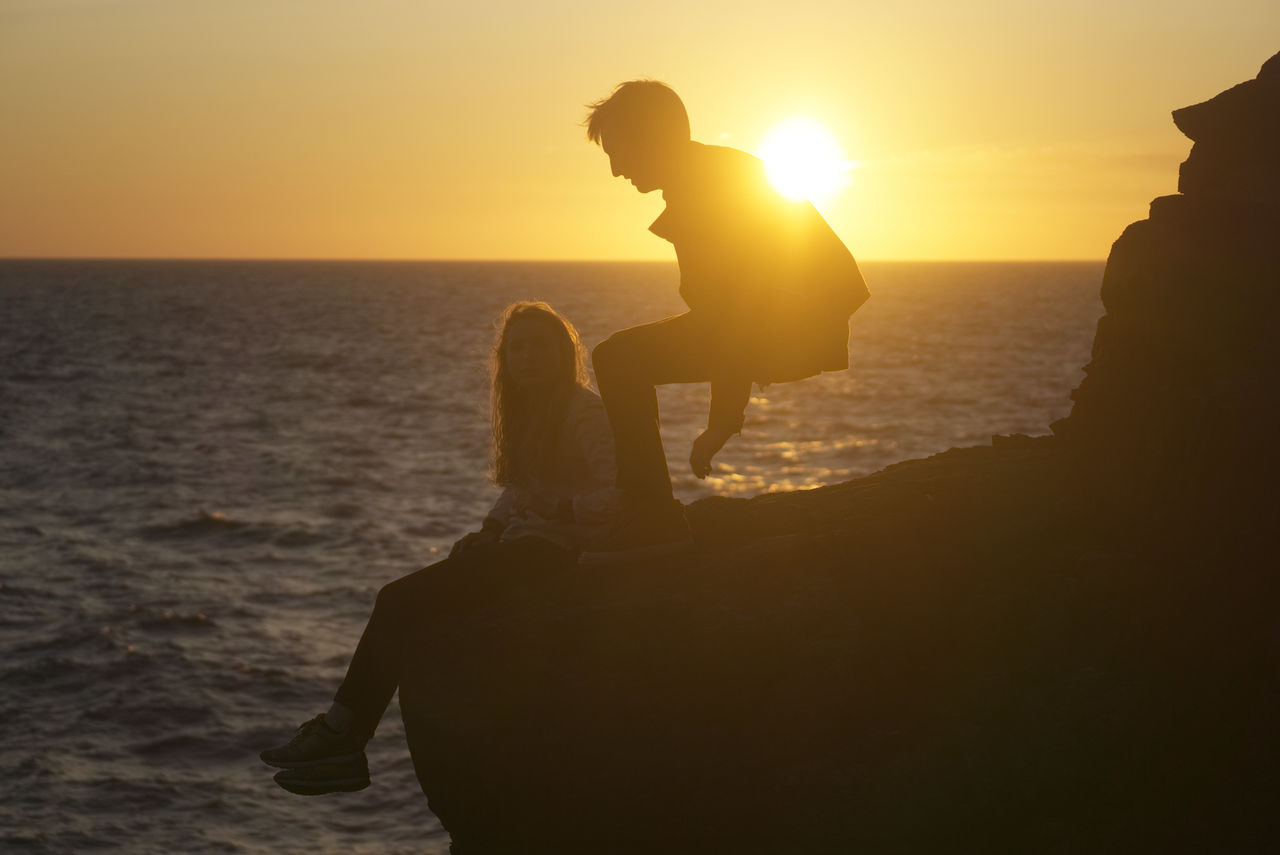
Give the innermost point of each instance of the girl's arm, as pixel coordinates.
(498, 518)
(503, 510)
(589, 427)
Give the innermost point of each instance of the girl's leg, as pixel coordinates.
(448, 588)
(321, 760)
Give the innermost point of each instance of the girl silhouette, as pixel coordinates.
(553, 456)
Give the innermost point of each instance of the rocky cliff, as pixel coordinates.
(1178, 412)
(1060, 644)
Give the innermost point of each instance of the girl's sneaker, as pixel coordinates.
(346, 777)
(317, 744)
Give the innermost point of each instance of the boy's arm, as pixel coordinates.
(728, 403)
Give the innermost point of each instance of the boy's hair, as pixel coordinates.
(645, 106)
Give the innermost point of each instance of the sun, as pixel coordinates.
(804, 160)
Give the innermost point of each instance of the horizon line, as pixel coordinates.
(360, 260)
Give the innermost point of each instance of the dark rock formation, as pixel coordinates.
(1178, 413)
(1237, 135)
(1059, 644)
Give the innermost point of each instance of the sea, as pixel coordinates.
(208, 469)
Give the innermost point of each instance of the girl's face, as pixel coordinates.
(533, 359)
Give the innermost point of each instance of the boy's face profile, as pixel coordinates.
(634, 158)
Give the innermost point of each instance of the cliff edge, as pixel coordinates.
(1056, 644)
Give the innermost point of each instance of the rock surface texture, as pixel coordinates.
(1060, 644)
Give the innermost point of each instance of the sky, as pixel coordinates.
(997, 129)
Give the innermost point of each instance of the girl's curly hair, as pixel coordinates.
(525, 428)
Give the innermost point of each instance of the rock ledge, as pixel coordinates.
(1055, 644)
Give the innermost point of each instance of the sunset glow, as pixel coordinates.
(804, 160)
(326, 129)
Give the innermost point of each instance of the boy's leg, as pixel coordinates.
(629, 365)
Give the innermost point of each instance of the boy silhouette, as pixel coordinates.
(769, 286)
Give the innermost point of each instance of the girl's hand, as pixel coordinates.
(485, 535)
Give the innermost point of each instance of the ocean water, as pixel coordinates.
(208, 469)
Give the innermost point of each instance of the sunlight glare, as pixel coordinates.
(804, 160)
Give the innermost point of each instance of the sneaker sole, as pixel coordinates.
(320, 788)
(639, 553)
(308, 764)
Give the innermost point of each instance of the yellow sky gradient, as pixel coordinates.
(395, 129)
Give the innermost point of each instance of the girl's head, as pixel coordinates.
(537, 362)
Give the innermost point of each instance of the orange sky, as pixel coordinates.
(398, 129)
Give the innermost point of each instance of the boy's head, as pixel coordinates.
(641, 126)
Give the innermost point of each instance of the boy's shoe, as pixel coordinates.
(346, 777)
(315, 744)
(640, 534)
